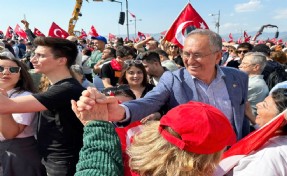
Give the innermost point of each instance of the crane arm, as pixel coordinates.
(75, 16)
(262, 28)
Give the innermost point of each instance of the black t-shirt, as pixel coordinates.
(60, 133)
(108, 72)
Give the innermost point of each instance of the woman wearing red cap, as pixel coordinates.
(188, 140)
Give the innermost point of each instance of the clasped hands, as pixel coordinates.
(94, 105)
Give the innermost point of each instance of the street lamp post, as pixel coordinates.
(127, 11)
(127, 16)
(217, 24)
(136, 24)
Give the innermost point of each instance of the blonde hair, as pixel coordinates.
(151, 154)
(44, 84)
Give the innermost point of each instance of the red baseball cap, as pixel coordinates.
(203, 129)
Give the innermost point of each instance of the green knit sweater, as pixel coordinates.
(101, 154)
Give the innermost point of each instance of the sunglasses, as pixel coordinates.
(242, 51)
(112, 91)
(128, 62)
(12, 70)
(173, 46)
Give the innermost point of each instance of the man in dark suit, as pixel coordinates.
(201, 80)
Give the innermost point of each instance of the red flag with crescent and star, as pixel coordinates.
(93, 32)
(250, 143)
(246, 37)
(38, 33)
(112, 37)
(230, 37)
(126, 135)
(83, 34)
(133, 15)
(20, 32)
(239, 40)
(187, 21)
(9, 33)
(57, 31)
(141, 35)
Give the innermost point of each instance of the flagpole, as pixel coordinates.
(135, 26)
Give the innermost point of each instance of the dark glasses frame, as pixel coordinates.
(242, 51)
(12, 70)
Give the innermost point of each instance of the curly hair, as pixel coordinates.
(151, 154)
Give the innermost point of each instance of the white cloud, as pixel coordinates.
(226, 28)
(280, 14)
(252, 5)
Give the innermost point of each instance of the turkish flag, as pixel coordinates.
(187, 21)
(38, 33)
(83, 34)
(126, 135)
(136, 40)
(273, 40)
(279, 41)
(230, 37)
(246, 37)
(57, 31)
(126, 40)
(239, 40)
(133, 15)
(93, 32)
(141, 36)
(250, 143)
(111, 37)
(9, 33)
(20, 32)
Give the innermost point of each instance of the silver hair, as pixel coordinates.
(258, 58)
(215, 41)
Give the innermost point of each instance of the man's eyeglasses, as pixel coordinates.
(128, 62)
(195, 56)
(242, 51)
(12, 70)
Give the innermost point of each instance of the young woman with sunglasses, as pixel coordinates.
(18, 146)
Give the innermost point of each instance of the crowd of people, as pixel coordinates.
(64, 103)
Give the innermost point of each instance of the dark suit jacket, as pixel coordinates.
(178, 87)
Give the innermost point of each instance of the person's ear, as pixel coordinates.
(256, 67)
(62, 60)
(218, 57)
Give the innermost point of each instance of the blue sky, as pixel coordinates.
(157, 15)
